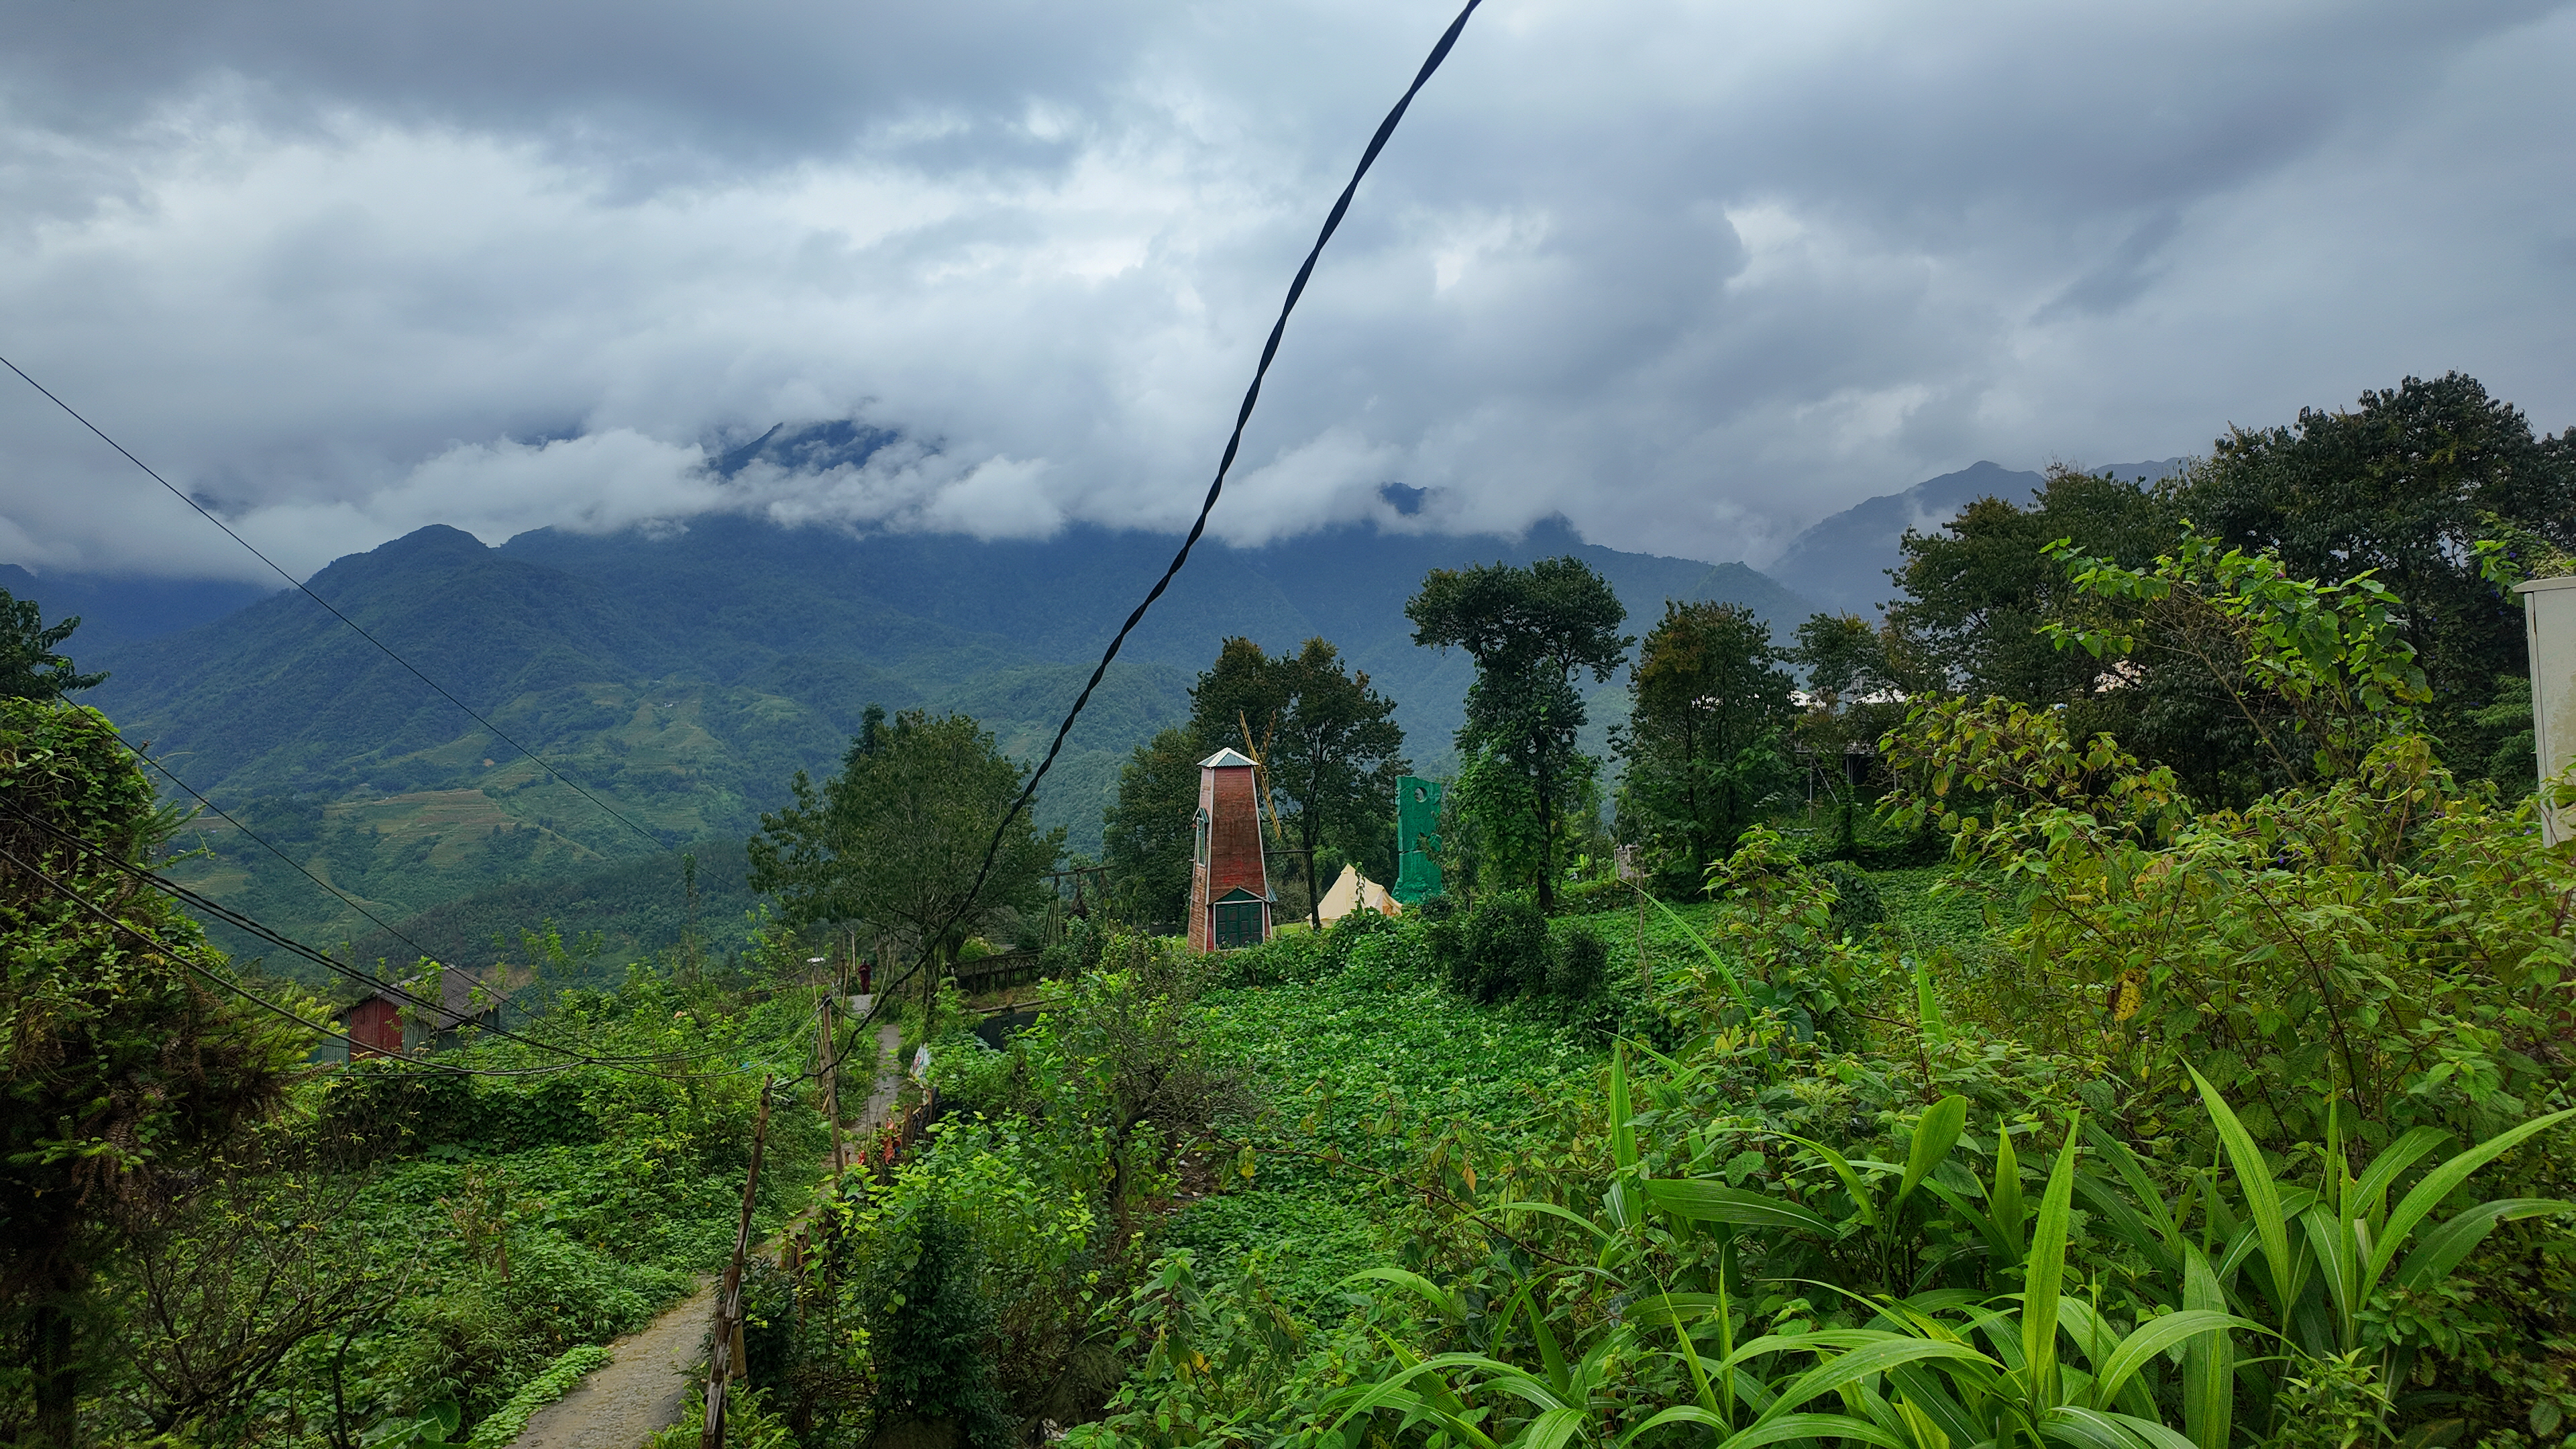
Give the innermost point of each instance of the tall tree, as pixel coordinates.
(123, 1073)
(1845, 659)
(1244, 691)
(1859, 683)
(1703, 737)
(1531, 631)
(32, 665)
(1978, 589)
(1329, 749)
(898, 836)
(2403, 483)
(1334, 760)
(1147, 835)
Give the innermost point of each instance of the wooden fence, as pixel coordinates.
(996, 972)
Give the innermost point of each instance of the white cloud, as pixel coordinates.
(597, 483)
(1693, 276)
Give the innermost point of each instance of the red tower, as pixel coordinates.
(1229, 880)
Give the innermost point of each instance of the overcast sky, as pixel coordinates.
(1692, 274)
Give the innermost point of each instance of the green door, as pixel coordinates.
(1238, 923)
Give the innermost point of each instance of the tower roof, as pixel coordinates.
(1226, 759)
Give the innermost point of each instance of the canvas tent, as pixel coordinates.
(1352, 891)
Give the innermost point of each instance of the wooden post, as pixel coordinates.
(722, 1343)
(832, 1085)
(1645, 973)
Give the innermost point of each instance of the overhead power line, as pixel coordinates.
(1234, 440)
(245, 922)
(179, 956)
(1216, 488)
(323, 959)
(360, 630)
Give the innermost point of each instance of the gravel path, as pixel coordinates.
(639, 1391)
(889, 1075)
(645, 1384)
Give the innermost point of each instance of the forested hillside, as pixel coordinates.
(685, 677)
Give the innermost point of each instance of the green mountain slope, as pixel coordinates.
(684, 678)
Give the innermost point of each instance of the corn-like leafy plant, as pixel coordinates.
(2186, 1355)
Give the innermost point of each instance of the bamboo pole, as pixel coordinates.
(727, 1337)
(830, 1049)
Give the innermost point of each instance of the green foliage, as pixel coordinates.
(1858, 907)
(32, 665)
(1703, 742)
(1334, 758)
(1577, 966)
(898, 837)
(1503, 950)
(748, 1422)
(1124, 1062)
(1531, 631)
(505, 1422)
(2317, 672)
(1494, 838)
(2402, 485)
(1978, 590)
(2033, 1331)
(2318, 936)
(1817, 1215)
(928, 1328)
(124, 1074)
(1147, 833)
(433, 1428)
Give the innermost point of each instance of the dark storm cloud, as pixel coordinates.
(1691, 274)
(622, 83)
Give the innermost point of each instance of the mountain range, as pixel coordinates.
(683, 676)
(1843, 561)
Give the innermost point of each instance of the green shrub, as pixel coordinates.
(748, 1423)
(565, 1293)
(1590, 897)
(1504, 950)
(1303, 956)
(929, 1328)
(1077, 951)
(970, 1076)
(1858, 907)
(1576, 966)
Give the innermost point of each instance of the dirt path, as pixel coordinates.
(889, 1076)
(645, 1383)
(638, 1392)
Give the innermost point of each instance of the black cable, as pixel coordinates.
(390, 988)
(1234, 441)
(657, 841)
(633, 1065)
(219, 979)
(297, 948)
(1233, 444)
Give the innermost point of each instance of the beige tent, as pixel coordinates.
(1353, 891)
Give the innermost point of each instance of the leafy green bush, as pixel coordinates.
(1577, 962)
(1587, 897)
(1076, 951)
(1503, 950)
(1858, 907)
(971, 1077)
